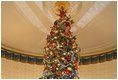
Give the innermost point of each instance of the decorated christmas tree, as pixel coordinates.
(61, 56)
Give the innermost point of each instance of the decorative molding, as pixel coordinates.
(84, 60)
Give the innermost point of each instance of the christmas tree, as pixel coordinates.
(61, 56)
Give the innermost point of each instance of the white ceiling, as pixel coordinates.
(26, 24)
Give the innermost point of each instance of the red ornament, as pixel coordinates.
(69, 32)
(69, 43)
(76, 62)
(50, 46)
(67, 23)
(59, 72)
(51, 32)
(68, 58)
(68, 72)
(75, 67)
(53, 68)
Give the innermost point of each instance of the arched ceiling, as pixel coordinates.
(26, 24)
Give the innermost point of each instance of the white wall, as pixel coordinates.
(12, 69)
(103, 70)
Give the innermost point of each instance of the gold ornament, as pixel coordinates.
(61, 4)
(76, 50)
(64, 53)
(60, 46)
(56, 31)
(55, 37)
(58, 64)
(69, 68)
(73, 47)
(62, 72)
(51, 53)
(68, 53)
(62, 58)
(55, 60)
(57, 68)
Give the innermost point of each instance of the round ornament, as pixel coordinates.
(75, 67)
(54, 68)
(73, 73)
(51, 53)
(62, 58)
(64, 53)
(58, 65)
(59, 72)
(69, 68)
(56, 31)
(55, 37)
(68, 72)
(68, 58)
(51, 32)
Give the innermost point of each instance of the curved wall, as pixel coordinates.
(16, 70)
